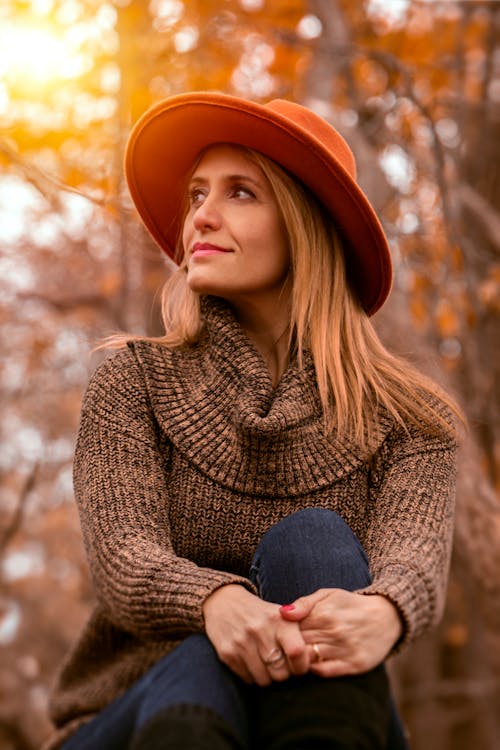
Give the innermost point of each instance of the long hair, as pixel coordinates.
(357, 377)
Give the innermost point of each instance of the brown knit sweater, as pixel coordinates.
(186, 457)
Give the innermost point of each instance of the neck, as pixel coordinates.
(268, 328)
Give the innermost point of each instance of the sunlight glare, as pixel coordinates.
(41, 7)
(399, 167)
(392, 12)
(33, 56)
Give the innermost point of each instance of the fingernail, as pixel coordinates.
(287, 608)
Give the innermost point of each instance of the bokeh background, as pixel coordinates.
(414, 86)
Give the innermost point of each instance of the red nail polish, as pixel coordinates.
(287, 607)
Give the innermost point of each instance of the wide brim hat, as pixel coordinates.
(167, 139)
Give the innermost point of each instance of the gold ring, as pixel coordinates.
(317, 652)
(275, 657)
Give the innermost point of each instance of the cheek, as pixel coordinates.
(268, 234)
(270, 263)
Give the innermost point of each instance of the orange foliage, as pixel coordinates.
(72, 272)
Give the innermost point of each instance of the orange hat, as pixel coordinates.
(166, 140)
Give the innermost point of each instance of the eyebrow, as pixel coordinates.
(229, 178)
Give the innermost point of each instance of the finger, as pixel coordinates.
(279, 672)
(262, 677)
(317, 653)
(255, 672)
(331, 661)
(299, 663)
(293, 612)
(296, 650)
(247, 664)
(302, 607)
(240, 668)
(296, 611)
(258, 670)
(276, 664)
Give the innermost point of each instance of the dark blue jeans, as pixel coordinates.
(309, 550)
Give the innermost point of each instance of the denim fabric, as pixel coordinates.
(191, 673)
(311, 549)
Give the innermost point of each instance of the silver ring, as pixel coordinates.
(317, 652)
(275, 657)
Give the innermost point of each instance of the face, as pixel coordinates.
(233, 235)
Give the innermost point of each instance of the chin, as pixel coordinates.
(202, 284)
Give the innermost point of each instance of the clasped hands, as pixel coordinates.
(330, 633)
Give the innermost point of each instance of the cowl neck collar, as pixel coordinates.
(217, 404)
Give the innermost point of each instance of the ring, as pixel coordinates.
(317, 652)
(275, 657)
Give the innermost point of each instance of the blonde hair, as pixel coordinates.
(357, 377)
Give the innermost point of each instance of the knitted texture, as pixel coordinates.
(185, 457)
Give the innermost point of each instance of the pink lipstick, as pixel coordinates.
(206, 248)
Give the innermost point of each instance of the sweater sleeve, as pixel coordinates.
(411, 530)
(120, 488)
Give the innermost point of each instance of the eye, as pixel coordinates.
(196, 196)
(242, 191)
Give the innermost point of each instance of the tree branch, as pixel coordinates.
(15, 522)
(482, 209)
(44, 182)
(63, 304)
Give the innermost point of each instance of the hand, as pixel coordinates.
(353, 632)
(247, 631)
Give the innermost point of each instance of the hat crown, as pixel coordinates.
(318, 128)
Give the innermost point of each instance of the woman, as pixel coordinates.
(266, 494)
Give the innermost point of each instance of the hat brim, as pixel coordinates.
(167, 139)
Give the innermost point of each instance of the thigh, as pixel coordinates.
(113, 727)
(191, 674)
(194, 674)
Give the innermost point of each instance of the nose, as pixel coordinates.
(207, 216)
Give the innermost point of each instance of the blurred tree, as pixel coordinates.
(415, 87)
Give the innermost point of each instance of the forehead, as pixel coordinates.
(226, 158)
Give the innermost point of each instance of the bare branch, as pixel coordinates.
(482, 209)
(64, 304)
(44, 182)
(17, 517)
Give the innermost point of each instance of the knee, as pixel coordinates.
(314, 544)
(310, 528)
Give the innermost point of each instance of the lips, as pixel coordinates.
(206, 248)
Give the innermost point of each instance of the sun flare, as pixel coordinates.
(34, 56)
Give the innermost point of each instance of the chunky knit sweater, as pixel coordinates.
(185, 457)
